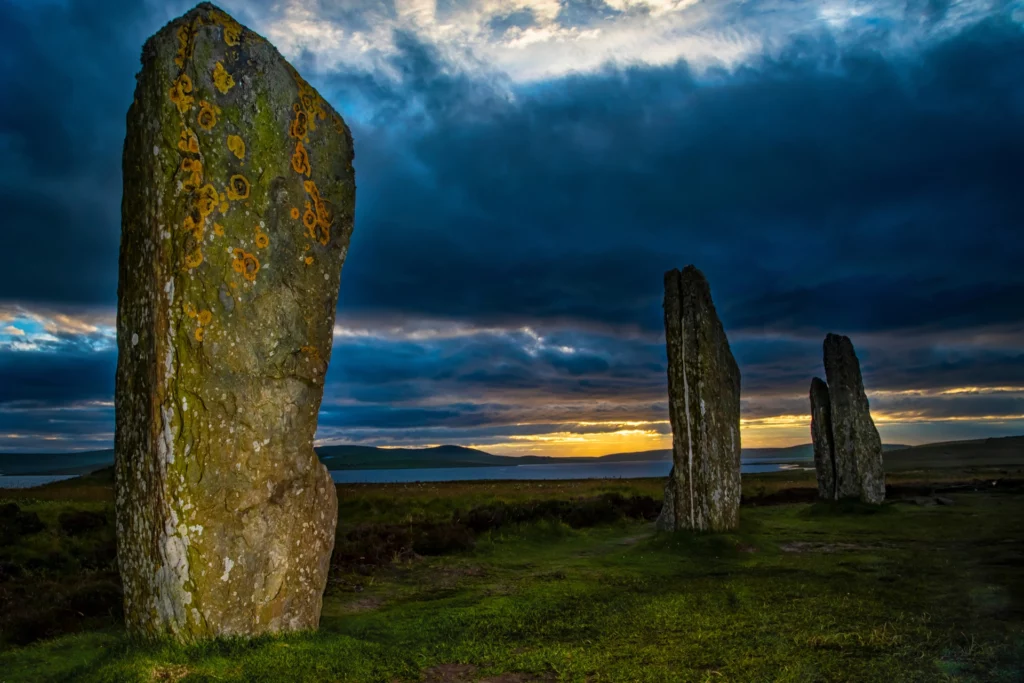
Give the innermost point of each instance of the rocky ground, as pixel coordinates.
(526, 581)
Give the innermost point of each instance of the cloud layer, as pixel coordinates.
(527, 173)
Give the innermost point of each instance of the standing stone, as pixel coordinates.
(821, 439)
(859, 471)
(703, 489)
(238, 203)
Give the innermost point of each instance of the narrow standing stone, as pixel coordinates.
(703, 489)
(237, 211)
(821, 439)
(858, 448)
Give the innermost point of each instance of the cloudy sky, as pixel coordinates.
(528, 169)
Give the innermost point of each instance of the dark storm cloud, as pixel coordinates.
(47, 378)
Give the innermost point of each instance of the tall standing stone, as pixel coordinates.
(703, 489)
(857, 448)
(238, 204)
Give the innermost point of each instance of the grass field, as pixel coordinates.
(555, 580)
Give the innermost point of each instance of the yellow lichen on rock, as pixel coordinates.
(186, 36)
(207, 116)
(181, 91)
(207, 200)
(295, 212)
(193, 170)
(205, 317)
(237, 146)
(308, 260)
(238, 188)
(194, 258)
(222, 80)
(232, 29)
(309, 220)
(199, 334)
(318, 218)
(300, 160)
(218, 229)
(298, 128)
(262, 239)
(247, 264)
(187, 140)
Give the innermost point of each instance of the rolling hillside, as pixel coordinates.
(981, 452)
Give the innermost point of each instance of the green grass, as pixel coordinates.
(801, 592)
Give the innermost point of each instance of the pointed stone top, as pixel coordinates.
(689, 278)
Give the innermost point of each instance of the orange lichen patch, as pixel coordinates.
(232, 34)
(323, 214)
(186, 44)
(295, 212)
(323, 234)
(317, 219)
(187, 140)
(309, 220)
(180, 90)
(193, 170)
(246, 264)
(190, 310)
(207, 201)
(237, 146)
(311, 189)
(205, 317)
(218, 229)
(207, 116)
(299, 127)
(199, 334)
(308, 260)
(300, 160)
(222, 80)
(310, 100)
(238, 188)
(262, 240)
(232, 29)
(194, 259)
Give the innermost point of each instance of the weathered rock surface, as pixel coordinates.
(238, 203)
(703, 489)
(857, 449)
(821, 439)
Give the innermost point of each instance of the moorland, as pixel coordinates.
(568, 580)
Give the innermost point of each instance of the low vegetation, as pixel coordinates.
(556, 580)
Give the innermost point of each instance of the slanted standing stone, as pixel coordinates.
(847, 448)
(238, 202)
(703, 489)
(821, 439)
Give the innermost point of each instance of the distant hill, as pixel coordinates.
(1002, 452)
(979, 452)
(81, 462)
(371, 457)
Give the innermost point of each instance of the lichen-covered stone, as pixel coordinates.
(859, 470)
(821, 439)
(237, 211)
(703, 489)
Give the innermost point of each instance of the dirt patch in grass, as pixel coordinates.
(169, 674)
(367, 604)
(817, 547)
(467, 673)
